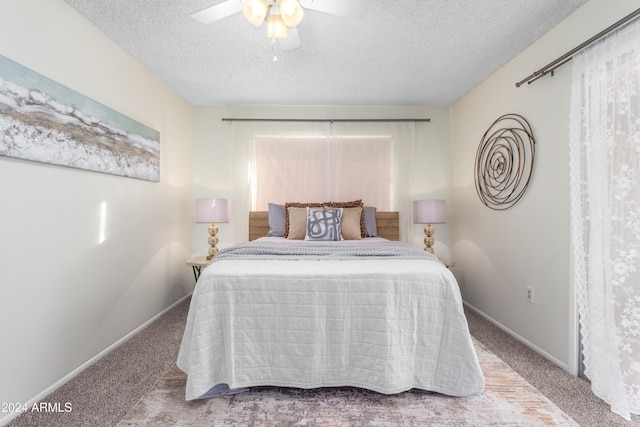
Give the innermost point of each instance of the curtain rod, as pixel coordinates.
(549, 68)
(227, 119)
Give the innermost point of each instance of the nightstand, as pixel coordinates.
(447, 262)
(197, 264)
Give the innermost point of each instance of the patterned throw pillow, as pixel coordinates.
(324, 224)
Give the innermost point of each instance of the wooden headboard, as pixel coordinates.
(387, 222)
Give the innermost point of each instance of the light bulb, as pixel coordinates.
(292, 12)
(257, 9)
(288, 8)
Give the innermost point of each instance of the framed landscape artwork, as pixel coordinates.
(44, 121)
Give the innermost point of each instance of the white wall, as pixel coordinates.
(65, 296)
(213, 161)
(499, 253)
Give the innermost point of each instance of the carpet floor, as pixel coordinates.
(114, 389)
(508, 400)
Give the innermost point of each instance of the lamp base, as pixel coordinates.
(213, 241)
(428, 238)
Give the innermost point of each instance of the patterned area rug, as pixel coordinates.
(508, 400)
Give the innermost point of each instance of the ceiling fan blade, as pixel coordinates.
(346, 8)
(217, 12)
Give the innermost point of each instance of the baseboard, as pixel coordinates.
(529, 344)
(40, 396)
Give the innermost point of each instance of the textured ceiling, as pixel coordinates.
(403, 52)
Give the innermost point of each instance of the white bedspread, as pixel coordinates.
(384, 325)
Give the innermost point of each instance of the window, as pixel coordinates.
(342, 162)
(311, 169)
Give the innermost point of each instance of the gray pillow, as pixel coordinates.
(276, 220)
(370, 221)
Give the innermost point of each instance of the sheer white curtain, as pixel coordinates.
(321, 169)
(362, 169)
(244, 136)
(291, 170)
(605, 214)
(402, 136)
(305, 148)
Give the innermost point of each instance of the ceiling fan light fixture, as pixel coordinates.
(276, 28)
(255, 11)
(291, 11)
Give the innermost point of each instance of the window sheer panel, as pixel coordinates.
(605, 214)
(402, 163)
(244, 191)
(362, 170)
(291, 170)
(245, 186)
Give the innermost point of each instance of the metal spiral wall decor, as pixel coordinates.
(504, 162)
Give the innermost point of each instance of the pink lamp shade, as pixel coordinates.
(430, 211)
(212, 210)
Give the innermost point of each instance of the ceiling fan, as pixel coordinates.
(281, 16)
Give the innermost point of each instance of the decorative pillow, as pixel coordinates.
(370, 221)
(351, 223)
(324, 224)
(297, 223)
(297, 205)
(276, 220)
(353, 204)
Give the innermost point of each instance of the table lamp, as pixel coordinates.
(430, 211)
(210, 211)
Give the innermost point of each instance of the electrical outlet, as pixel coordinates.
(530, 294)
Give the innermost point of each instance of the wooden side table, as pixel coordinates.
(197, 264)
(447, 262)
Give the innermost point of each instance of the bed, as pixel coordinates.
(272, 312)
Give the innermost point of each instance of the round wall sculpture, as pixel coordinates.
(504, 162)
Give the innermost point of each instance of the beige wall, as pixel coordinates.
(213, 163)
(499, 253)
(66, 297)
